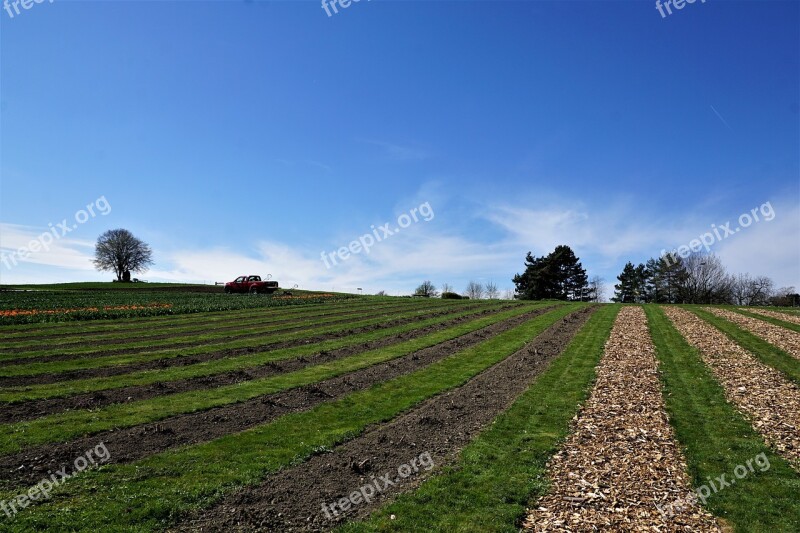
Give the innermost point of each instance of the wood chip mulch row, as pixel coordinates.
(786, 317)
(785, 339)
(622, 460)
(771, 401)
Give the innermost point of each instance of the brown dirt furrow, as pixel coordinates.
(47, 329)
(785, 339)
(131, 444)
(621, 460)
(293, 499)
(94, 400)
(102, 352)
(786, 317)
(231, 325)
(771, 401)
(211, 356)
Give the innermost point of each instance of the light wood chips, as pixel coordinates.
(621, 461)
(771, 401)
(786, 317)
(785, 339)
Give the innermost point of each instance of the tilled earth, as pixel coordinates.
(117, 370)
(622, 460)
(130, 444)
(93, 400)
(771, 401)
(65, 342)
(292, 499)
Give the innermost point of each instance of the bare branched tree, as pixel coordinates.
(597, 290)
(118, 251)
(446, 287)
(474, 290)
(785, 296)
(707, 281)
(491, 290)
(427, 289)
(747, 290)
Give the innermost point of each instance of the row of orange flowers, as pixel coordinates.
(305, 296)
(24, 312)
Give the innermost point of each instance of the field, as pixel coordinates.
(177, 408)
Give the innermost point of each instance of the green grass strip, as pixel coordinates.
(56, 367)
(219, 366)
(767, 353)
(64, 426)
(169, 328)
(505, 467)
(25, 331)
(208, 335)
(152, 493)
(774, 321)
(717, 438)
(86, 326)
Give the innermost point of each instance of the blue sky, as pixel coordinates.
(249, 137)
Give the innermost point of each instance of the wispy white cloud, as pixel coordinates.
(769, 248)
(445, 250)
(65, 252)
(607, 236)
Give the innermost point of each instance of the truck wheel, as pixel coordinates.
(253, 290)
(228, 290)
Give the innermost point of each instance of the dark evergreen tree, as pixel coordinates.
(625, 291)
(559, 276)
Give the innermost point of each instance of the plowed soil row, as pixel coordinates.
(292, 499)
(46, 330)
(215, 355)
(46, 342)
(135, 443)
(265, 332)
(785, 339)
(622, 459)
(771, 401)
(93, 400)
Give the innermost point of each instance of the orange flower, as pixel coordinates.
(26, 312)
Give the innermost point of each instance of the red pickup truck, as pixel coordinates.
(251, 284)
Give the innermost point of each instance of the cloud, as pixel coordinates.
(396, 264)
(767, 248)
(64, 252)
(609, 233)
(607, 236)
(448, 249)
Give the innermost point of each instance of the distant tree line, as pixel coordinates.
(696, 279)
(473, 291)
